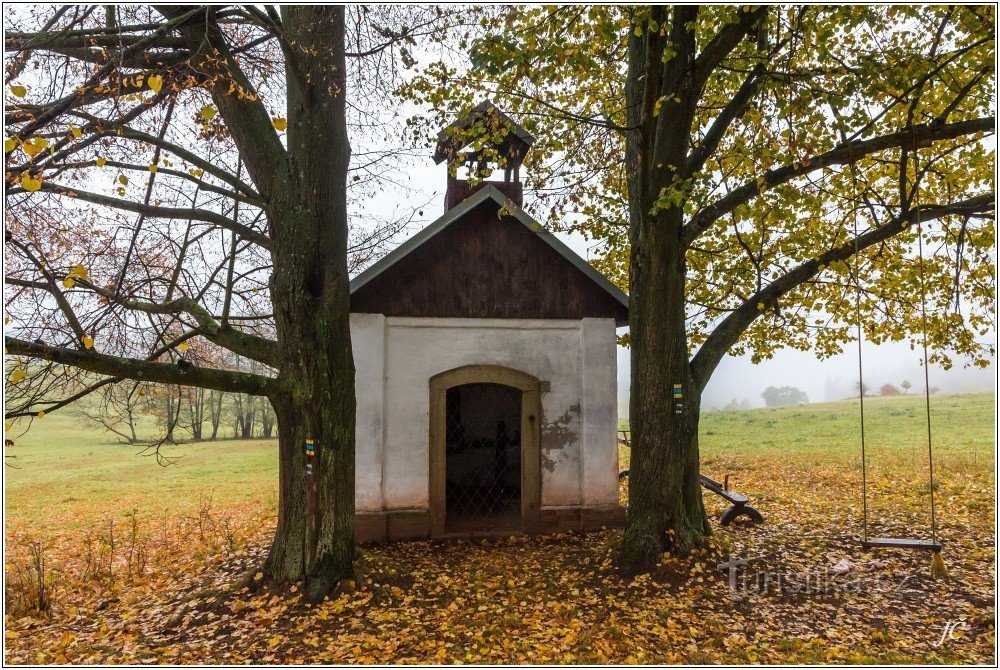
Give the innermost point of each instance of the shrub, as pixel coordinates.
(27, 589)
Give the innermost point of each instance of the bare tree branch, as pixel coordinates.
(155, 211)
(182, 373)
(233, 93)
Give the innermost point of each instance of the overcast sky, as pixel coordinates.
(736, 377)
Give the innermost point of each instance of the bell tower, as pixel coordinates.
(483, 141)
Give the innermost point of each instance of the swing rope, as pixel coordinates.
(861, 375)
(938, 568)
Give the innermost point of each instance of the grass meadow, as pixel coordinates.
(127, 544)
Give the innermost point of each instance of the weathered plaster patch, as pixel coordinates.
(558, 436)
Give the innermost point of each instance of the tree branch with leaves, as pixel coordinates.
(743, 171)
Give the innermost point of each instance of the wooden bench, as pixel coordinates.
(737, 500)
(739, 503)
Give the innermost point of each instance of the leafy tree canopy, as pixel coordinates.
(833, 119)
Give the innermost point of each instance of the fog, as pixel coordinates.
(835, 378)
(737, 378)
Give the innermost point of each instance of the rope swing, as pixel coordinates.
(938, 569)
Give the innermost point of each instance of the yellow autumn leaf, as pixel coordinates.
(153, 169)
(101, 161)
(29, 183)
(155, 82)
(196, 173)
(34, 146)
(77, 132)
(208, 113)
(122, 179)
(17, 376)
(9, 145)
(79, 272)
(280, 124)
(183, 346)
(88, 341)
(18, 91)
(41, 415)
(68, 282)
(8, 426)
(761, 306)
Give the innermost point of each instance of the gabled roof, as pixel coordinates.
(451, 139)
(488, 192)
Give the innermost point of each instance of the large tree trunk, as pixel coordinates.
(315, 534)
(666, 510)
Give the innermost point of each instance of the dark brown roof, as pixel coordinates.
(487, 258)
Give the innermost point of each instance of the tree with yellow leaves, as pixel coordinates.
(756, 177)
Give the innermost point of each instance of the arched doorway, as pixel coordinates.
(484, 454)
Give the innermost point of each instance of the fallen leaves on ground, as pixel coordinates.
(809, 594)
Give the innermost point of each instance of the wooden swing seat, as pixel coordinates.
(901, 543)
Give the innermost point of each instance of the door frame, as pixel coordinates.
(531, 420)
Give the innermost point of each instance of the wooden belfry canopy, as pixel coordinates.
(504, 142)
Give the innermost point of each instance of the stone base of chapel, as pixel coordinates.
(397, 525)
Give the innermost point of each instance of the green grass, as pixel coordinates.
(799, 465)
(959, 423)
(963, 429)
(806, 457)
(64, 473)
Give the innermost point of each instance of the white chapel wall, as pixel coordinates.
(574, 361)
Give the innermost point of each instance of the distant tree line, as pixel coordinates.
(786, 396)
(889, 389)
(139, 412)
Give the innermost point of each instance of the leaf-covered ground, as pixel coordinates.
(810, 595)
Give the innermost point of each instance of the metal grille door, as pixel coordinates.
(482, 458)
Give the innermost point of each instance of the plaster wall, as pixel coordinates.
(574, 360)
